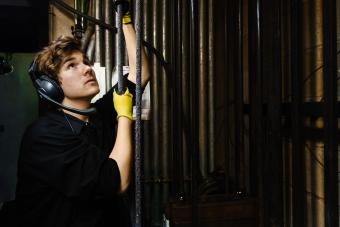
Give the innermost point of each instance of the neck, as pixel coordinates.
(77, 105)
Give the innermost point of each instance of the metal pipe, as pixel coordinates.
(176, 99)
(148, 135)
(330, 116)
(108, 14)
(193, 135)
(272, 152)
(185, 94)
(202, 89)
(164, 96)
(211, 85)
(80, 23)
(50, 22)
(155, 94)
(239, 118)
(138, 138)
(99, 32)
(312, 36)
(175, 117)
(91, 48)
(77, 20)
(87, 37)
(286, 86)
(228, 18)
(256, 102)
(119, 47)
(298, 162)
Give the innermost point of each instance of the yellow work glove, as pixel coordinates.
(127, 18)
(123, 104)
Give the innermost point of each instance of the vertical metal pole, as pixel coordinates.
(147, 156)
(193, 112)
(176, 102)
(50, 22)
(272, 157)
(255, 80)
(330, 116)
(298, 162)
(108, 44)
(202, 88)
(99, 31)
(286, 74)
(138, 155)
(119, 47)
(211, 85)
(156, 103)
(165, 102)
(228, 51)
(239, 118)
(256, 102)
(184, 92)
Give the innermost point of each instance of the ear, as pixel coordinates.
(59, 79)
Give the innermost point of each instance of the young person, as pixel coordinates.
(73, 168)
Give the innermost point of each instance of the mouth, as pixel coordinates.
(91, 80)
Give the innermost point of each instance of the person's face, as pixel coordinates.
(77, 79)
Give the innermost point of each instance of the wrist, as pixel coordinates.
(124, 119)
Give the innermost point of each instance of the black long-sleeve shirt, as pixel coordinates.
(65, 175)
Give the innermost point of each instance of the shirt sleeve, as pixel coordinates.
(68, 164)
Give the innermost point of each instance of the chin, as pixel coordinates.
(94, 93)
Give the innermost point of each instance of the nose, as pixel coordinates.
(88, 70)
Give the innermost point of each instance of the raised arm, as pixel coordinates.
(130, 39)
(122, 150)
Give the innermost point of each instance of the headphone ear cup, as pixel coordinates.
(50, 88)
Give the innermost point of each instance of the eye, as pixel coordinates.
(71, 65)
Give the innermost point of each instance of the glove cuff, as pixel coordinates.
(125, 115)
(127, 19)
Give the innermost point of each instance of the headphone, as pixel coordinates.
(50, 90)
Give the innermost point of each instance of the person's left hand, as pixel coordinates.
(123, 104)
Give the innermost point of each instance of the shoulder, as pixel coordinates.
(52, 121)
(47, 126)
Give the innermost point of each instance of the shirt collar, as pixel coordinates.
(75, 123)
